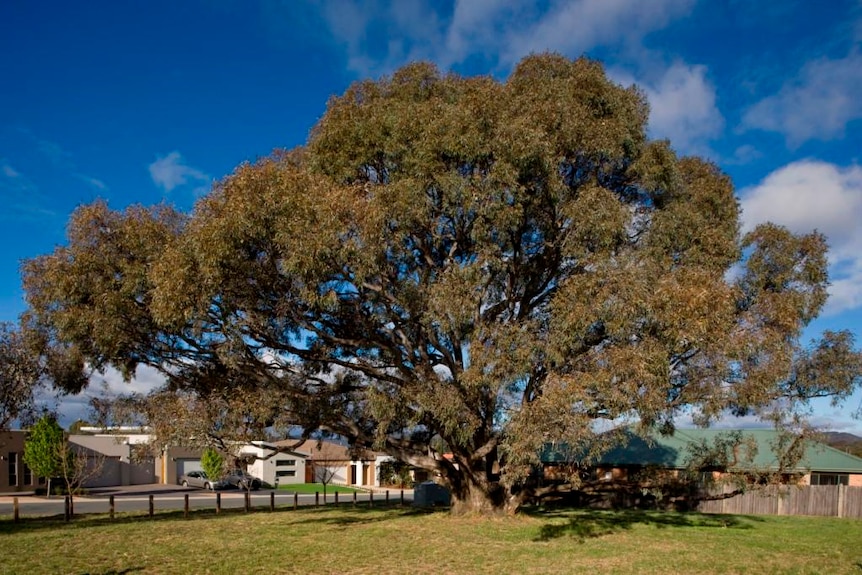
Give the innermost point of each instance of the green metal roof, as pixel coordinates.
(675, 451)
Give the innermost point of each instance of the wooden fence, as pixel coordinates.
(132, 505)
(825, 500)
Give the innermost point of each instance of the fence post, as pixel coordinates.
(402, 498)
(370, 499)
(842, 499)
(316, 498)
(66, 510)
(295, 500)
(111, 507)
(15, 511)
(387, 498)
(336, 497)
(218, 503)
(272, 500)
(152, 507)
(354, 499)
(247, 501)
(186, 506)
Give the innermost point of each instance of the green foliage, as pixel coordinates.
(43, 448)
(393, 472)
(77, 425)
(19, 377)
(213, 464)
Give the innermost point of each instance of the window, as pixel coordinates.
(285, 473)
(830, 479)
(28, 475)
(13, 469)
(285, 462)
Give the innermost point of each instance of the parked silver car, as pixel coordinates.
(198, 479)
(242, 479)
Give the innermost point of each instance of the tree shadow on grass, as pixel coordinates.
(349, 516)
(331, 514)
(583, 524)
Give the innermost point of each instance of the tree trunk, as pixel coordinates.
(474, 493)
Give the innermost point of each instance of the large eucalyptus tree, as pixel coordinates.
(497, 264)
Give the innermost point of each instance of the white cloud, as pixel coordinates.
(576, 27)
(744, 154)
(171, 171)
(682, 106)
(94, 182)
(808, 195)
(472, 29)
(816, 104)
(501, 31)
(8, 170)
(107, 385)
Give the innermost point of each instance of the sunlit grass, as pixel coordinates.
(381, 540)
(316, 487)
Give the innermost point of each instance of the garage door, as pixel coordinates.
(186, 465)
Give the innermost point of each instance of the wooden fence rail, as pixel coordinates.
(145, 505)
(824, 500)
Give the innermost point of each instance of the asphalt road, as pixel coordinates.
(30, 506)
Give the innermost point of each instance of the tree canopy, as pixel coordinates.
(494, 264)
(19, 376)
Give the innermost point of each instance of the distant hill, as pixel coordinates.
(846, 442)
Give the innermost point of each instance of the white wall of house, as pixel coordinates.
(377, 461)
(122, 434)
(285, 467)
(334, 471)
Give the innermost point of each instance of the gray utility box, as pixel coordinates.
(429, 494)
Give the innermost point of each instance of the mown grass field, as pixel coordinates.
(315, 487)
(381, 541)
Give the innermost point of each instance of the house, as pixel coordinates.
(750, 451)
(110, 457)
(15, 476)
(266, 461)
(274, 464)
(416, 475)
(117, 464)
(331, 462)
(174, 461)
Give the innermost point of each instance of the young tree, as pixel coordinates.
(492, 264)
(49, 454)
(212, 464)
(77, 466)
(324, 474)
(43, 446)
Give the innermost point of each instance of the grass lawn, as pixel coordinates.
(380, 541)
(316, 487)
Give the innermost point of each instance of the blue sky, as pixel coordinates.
(144, 102)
